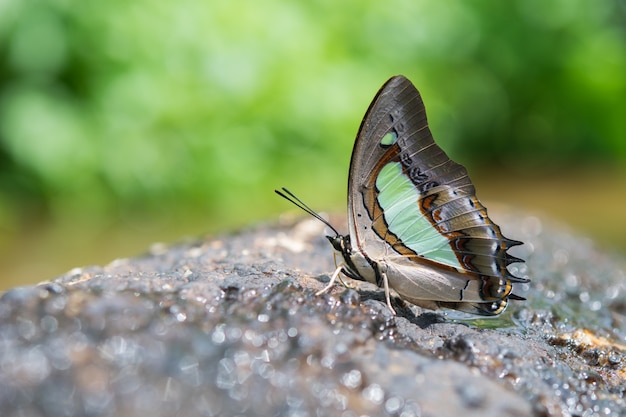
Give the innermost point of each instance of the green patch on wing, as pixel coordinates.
(398, 198)
(389, 139)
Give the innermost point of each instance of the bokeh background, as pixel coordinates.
(124, 123)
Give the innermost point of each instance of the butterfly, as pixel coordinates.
(415, 224)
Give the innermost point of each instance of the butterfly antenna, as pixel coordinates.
(289, 196)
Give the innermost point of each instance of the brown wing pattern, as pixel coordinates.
(395, 129)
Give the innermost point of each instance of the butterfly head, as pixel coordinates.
(340, 243)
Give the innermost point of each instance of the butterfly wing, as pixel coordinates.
(409, 203)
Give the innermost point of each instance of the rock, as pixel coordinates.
(232, 326)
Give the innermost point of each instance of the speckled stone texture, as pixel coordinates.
(231, 326)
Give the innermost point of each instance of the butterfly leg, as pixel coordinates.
(344, 283)
(387, 296)
(333, 278)
(339, 276)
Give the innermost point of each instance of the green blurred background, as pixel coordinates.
(124, 122)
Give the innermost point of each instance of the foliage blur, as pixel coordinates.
(122, 112)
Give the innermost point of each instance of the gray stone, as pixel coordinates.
(232, 326)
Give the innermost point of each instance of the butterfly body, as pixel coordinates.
(425, 283)
(415, 224)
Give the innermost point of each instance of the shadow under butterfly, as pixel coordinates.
(416, 225)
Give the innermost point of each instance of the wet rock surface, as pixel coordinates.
(231, 326)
